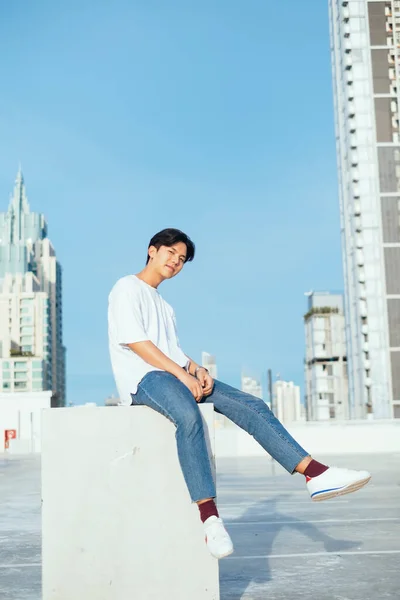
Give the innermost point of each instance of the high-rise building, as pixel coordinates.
(287, 403)
(365, 51)
(32, 355)
(208, 361)
(325, 362)
(251, 386)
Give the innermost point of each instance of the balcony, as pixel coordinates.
(20, 352)
(321, 310)
(360, 258)
(348, 61)
(363, 308)
(347, 44)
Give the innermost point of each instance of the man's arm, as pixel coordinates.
(154, 357)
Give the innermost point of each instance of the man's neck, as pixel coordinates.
(150, 277)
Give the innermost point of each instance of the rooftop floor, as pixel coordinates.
(286, 547)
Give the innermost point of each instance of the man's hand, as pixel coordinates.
(193, 384)
(206, 381)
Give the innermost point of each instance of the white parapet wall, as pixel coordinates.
(118, 522)
(21, 412)
(336, 437)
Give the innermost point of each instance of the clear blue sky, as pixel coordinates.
(215, 117)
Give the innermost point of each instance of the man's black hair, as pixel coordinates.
(170, 237)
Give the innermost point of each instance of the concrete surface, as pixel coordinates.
(117, 518)
(287, 548)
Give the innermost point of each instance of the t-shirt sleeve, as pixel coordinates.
(125, 315)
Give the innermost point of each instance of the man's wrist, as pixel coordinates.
(191, 367)
(197, 369)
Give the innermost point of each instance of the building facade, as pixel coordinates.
(32, 355)
(209, 362)
(287, 402)
(365, 51)
(326, 382)
(251, 386)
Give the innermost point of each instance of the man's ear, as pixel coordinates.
(152, 251)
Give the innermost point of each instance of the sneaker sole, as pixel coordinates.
(348, 489)
(223, 555)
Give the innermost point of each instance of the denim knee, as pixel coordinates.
(190, 420)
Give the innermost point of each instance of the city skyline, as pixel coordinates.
(211, 147)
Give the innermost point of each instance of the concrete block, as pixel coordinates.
(118, 522)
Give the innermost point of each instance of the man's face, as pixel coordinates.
(168, 260)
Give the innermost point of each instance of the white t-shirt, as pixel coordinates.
(137, 313)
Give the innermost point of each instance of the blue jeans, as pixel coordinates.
(167, 395)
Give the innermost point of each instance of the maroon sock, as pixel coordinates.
(208, 509)
(314, 469)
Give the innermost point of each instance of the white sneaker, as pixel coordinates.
(217, 538)
(336, 482)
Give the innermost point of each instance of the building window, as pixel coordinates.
(6, 385)
(26, 330)
(6, 375)
(26, 339)
(20, 363)
(26, 301)
(37, 375)
(6, 365)
(20, 385)
(27, 349)
(21, 374)
(37, 364)
(26, 320)
(24, 311)
(37, 385)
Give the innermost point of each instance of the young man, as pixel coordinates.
(151, 369)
